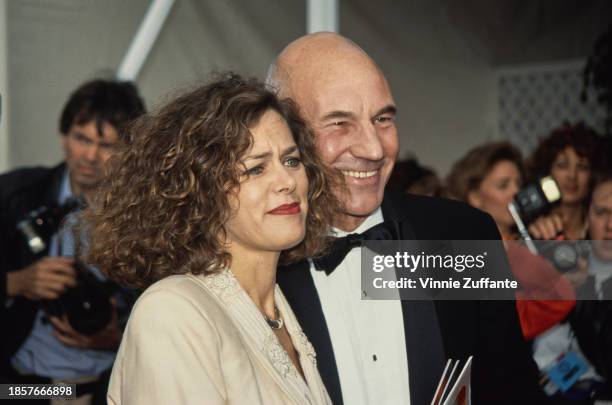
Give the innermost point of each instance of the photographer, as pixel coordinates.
(568, 155)
(39, 346)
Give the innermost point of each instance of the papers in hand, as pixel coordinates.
(454, 386)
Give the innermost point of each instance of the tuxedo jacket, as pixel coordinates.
(21, 191)
(591, 322)
(503, 371)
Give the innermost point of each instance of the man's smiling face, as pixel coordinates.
(349, 105)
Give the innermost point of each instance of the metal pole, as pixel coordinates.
(4, 121)
(322, 15)
(144, 39)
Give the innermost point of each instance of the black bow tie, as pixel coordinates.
(388, 230)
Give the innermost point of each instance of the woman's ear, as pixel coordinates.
(473, 198)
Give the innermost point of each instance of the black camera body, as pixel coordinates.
(535, 199)
(87, 306)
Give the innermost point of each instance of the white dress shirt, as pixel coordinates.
(367, 335)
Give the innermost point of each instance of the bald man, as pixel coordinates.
(387, 352)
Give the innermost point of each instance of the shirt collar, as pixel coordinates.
(374, 219)
(65, 189)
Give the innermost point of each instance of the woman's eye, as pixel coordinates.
(584, 166)
(293, 161)
(254, 171)
(503, 184)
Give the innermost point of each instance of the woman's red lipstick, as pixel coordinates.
(286, 209)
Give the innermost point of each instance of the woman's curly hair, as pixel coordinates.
(583, 139)
(162, 208)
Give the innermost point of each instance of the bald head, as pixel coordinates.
(344, 97)
(315, 56)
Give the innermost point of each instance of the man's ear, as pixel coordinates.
(473, 198)
(63, 140)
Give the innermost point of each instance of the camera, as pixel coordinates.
(536, 199)
(39, 225)
(87, 306)
(564, 254)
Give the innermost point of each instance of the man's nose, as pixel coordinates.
(367, 143)
(92, 153)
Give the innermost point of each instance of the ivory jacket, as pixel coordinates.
(201, 340)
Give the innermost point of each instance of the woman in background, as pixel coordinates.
(568, 155)
(210, 193)
(488, 177)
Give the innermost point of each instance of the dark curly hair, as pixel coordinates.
(163, 206)
(583, 139)
(469, 171)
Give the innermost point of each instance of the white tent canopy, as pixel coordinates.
(440, 56)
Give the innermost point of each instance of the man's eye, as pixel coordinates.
(82, 139)
(383, 119)
(338, 123)
(293, 161)
(601, 212)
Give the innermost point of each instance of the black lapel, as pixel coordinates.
(52, 188)
(298, 286)
(424, 345)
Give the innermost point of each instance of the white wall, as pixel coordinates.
(54, 46)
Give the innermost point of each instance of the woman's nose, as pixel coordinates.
(284, 180)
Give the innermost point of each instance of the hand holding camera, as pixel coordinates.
(106, 339)
(45, 279)
(69, 288)
(546, 227)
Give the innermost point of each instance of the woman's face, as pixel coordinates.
(496, 191)
(572, 173)
(271, 203)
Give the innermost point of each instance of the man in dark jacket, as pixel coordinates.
(387, 352)
(38, 346)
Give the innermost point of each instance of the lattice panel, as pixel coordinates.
(532, 101)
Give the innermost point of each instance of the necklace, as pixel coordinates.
(277, 323)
